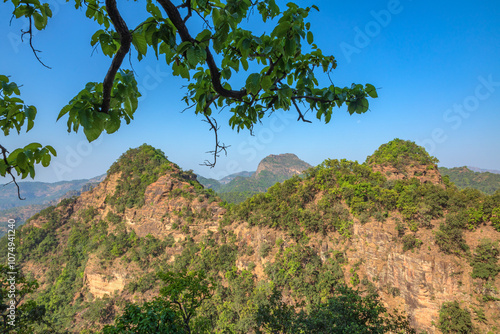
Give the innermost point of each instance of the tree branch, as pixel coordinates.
(9, 168)
(178, 22)
(30, 33)
(218, 147)
(301, 116)
(125, 41)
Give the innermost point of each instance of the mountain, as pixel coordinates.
(422, 245)
(229, 178)
(38, 195)
(464, 177)
(480, 170)
(235, 188)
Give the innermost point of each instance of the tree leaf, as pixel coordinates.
(371, 91)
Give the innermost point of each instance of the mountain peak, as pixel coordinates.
(401, 159)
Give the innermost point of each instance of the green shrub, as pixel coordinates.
(453, 319)
(485, 260)
(410, 242)
(449, 237)
(264, 250)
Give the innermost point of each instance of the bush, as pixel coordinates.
(264, 250)
(449, 237)
(410, 242)
(453, 319)
(485, 260)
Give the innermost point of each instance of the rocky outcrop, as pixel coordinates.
(285, 165)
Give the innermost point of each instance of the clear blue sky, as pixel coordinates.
(436, 65)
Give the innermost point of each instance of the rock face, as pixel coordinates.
(286, 165)
(417, 283)
(100, 285)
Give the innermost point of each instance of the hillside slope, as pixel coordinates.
(416, 242)
(463, 177)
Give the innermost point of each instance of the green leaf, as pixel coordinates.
(266, 82)
(252, 83)
(46, 160)
(92, 133)
(310, 38)
(139, 42)
(154, 10)
(40, 21)
(371, 91)
(191, 57)
(244, 63)
(183, 47)
(21, 160)
(51, 150)
(204, 35)
(64, 111)
(32, 146)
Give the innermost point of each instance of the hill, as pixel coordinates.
(38, 195)
(403, 159)
(237, 187)
(464, 177)
(229, 178)
(277, 262)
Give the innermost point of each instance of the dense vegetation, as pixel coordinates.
(400, 153)
(463, 177)
(295, 206)
(139, 168)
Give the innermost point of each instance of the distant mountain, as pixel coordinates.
(229, 178)
(38, 196)
(464, 177)
(237, 187)
(35, 193)
(480, 170)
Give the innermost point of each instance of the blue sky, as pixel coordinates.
(436, 66)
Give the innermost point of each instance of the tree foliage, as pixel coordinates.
(17, 313)
(463, 177)
(206, 43)
(14, 114)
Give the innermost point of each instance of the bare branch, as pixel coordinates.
(218, 147)
(30, 33)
